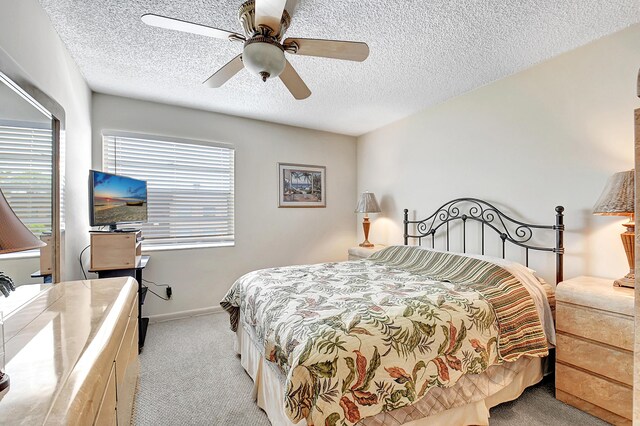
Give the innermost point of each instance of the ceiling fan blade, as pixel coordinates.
(294, 83)
(223, 75)
(348, 50)
(291, 6)
(269, 13)
(188, 27)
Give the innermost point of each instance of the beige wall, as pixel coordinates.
(27, 35)
(265, 235)
(549, 135)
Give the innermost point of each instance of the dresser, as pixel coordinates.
(594, 353)
(359, 253)
(76, 361)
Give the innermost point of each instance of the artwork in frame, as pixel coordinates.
(301, 185)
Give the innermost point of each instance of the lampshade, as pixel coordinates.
(368, 203)
(14, 236)
(617, 198)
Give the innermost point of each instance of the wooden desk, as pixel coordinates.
(76, 363)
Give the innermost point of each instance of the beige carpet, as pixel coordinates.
(191, 376)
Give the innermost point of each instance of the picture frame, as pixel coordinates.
(301, 185)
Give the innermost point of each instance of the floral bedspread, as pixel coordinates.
(357, 338)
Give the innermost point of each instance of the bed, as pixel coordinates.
(411, 336)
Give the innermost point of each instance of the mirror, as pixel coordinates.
(30, 134)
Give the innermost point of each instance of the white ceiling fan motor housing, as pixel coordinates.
(264, 56)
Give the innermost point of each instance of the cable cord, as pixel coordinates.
(156, 284)
(80, 260)
(153, 292)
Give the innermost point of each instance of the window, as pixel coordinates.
(190, 186)
(25, 172)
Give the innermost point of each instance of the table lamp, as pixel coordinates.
(14, 236)
(617, 199)
(367, 204)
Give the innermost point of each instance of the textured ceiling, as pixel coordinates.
(422, 52)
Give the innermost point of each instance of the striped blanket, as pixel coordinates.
(354, 339)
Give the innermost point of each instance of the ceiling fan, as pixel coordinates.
(264, 23)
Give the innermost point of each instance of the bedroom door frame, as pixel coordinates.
(636, 352)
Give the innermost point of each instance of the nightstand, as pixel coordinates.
(594, 351)
(359, 253)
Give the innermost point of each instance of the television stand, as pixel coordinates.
(119, 254)
(135, 272)
(124, 230)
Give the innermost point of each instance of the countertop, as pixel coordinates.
(599, 293)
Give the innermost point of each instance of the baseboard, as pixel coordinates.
(185, 314)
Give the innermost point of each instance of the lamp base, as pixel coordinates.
(628, 241)
(365, 227)
(628, 280)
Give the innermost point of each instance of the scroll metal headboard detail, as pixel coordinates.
(509, 229)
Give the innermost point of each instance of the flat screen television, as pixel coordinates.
(116, 200)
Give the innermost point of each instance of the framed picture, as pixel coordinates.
(301, 185)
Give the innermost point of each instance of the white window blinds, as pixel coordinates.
(25, 172)
(190, 186)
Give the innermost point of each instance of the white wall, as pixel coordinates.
(265, 235)
(27, 35)
(549, 135)
(20, 268)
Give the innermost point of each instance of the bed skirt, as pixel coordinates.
(449, 406)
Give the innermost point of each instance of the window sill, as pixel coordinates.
(172, 247)
(29, 254)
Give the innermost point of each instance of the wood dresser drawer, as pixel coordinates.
(611, 396)
(606, 327)
(592, 409)
(604, 360)
(594, 348)
(127, 368)
(126, 389)
(107, 409)
(122, 356)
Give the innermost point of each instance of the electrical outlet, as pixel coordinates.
(169, 292)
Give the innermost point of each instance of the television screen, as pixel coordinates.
(116, 199)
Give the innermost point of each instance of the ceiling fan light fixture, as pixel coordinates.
(264, 57)
(265, 23)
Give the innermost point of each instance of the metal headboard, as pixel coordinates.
(473, 209)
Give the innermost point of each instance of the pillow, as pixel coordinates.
(499, 261)
(495, 260)
(529, 280)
